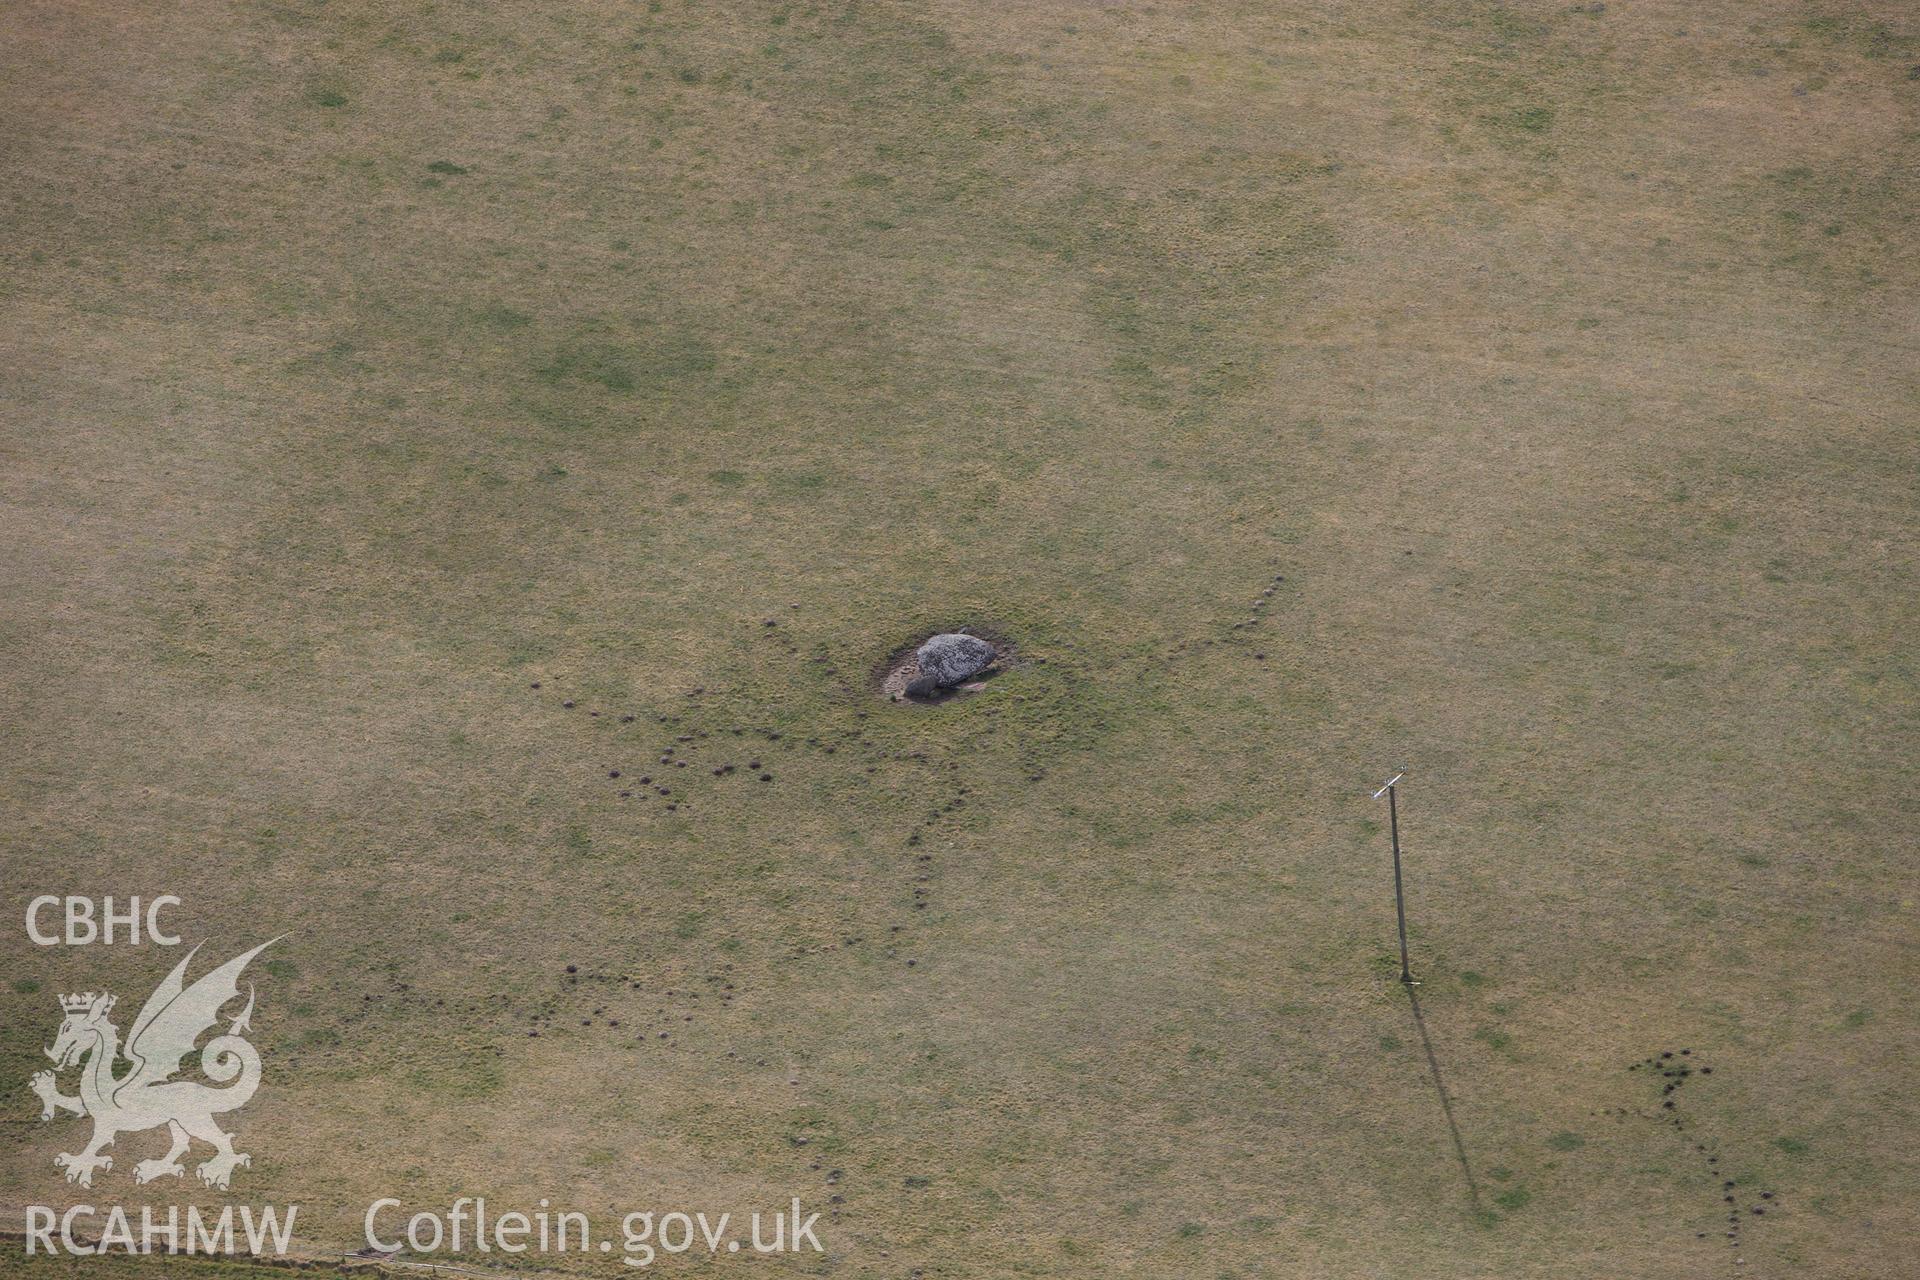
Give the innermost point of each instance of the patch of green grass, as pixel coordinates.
(1534, 119)
(1493, 1038)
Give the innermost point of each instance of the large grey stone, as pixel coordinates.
(953, 657)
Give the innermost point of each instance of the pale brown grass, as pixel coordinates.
(1561, 361)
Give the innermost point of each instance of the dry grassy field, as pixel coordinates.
(416, 414)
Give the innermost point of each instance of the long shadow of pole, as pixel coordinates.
(1446, 1103)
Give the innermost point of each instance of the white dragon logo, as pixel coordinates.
(173, 1017)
